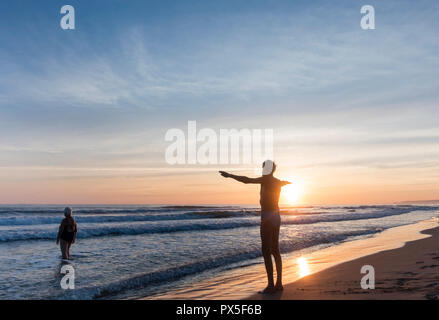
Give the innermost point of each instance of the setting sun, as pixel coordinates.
(292, 192)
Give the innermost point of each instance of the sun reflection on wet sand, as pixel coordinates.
(303, 267)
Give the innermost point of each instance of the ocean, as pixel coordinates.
(132, 251)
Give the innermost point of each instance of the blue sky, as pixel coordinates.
(103, 95)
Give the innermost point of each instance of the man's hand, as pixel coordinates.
(225, 174)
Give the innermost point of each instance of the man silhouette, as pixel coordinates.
(270, 220)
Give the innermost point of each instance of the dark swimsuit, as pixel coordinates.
(270, 227)
(273, 217)
(67, 236)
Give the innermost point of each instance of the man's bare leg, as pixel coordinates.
(266, 238)
(63, 245)
(278, 261)
(269, 268)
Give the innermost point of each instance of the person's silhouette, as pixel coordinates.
(270, 220)
(67, 233)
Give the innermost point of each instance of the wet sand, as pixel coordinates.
(410, 272)
(405, 268)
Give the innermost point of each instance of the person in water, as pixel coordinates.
(270, 220)
(67, 233)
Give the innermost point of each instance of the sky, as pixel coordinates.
(84, 112)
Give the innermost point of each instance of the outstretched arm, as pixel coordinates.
(284, 183)
(242, 179)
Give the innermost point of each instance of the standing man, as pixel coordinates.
(270, 220)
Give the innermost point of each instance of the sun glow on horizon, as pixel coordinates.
(293, 192)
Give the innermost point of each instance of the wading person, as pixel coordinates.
(67, 233)
(270, 220)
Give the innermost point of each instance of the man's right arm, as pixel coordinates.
(242, 179)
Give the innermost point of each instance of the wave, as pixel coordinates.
(48, 232)
(8, 209)
(44, 219)
(197, 207)
(190, 213)
(175, 273)
(96, 230)
(76, 210)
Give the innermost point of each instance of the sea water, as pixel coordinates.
(136, 251)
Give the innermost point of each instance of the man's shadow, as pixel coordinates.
(272, 296)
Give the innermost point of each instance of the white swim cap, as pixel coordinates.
(268, 167)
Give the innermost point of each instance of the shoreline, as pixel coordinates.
(408, 272)
(243, 283)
